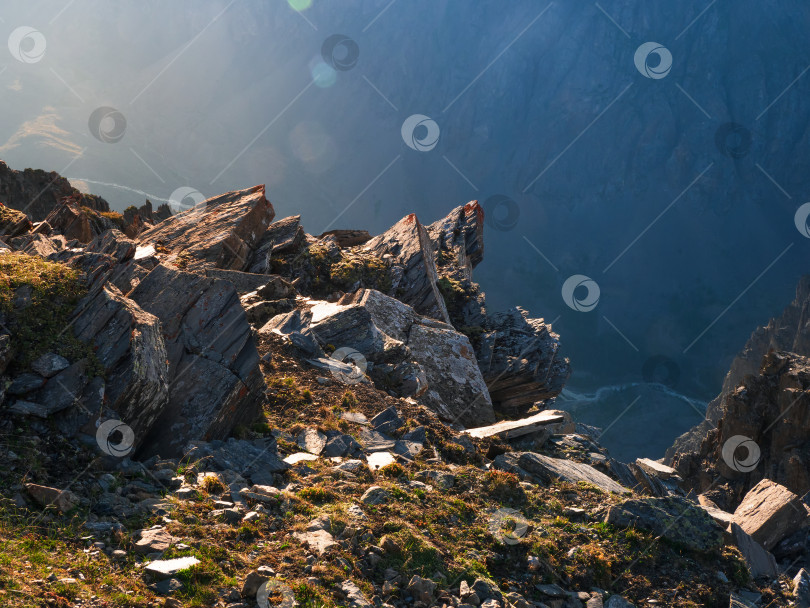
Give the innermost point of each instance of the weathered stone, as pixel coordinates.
(312, 440)
(49, 364)
(653, 467)
(414, 272)
(377, 460)
(64, 500)
(12, 222)
(801, 589)
(546, 468)
(25, 383)
(760, 562)
(127, 341)
(354, 596)
(387, 421)
(375, 495)
(422, 589)
(769, 513)
(319, 541)
(347, 238)
(214, 379)
(256, 460)
(221, 232)
(115, 243)
(617, 601)
(294, 459)
(675, 518)
(509, 429)
(281, 236)
(243, 282)
(167, 568)
(154, 540)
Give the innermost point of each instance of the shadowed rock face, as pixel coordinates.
(214, 378)
(37, 192)
(770, 411)
(789, 332)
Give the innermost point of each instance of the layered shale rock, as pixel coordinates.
(221, 232)
(214, 378)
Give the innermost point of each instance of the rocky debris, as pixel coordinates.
(214, 379)
(675, 518)
(64, 500)
(760, 562)
(282, 236)
(221, 232)
(413, 266)
(154, 540)
(37, 192)
(768, 414)
(509, 429)
(168, 568)
(788, 332)
(801, 589)
(770, 512)
(542, 469)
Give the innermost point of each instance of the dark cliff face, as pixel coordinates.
(36, 192)
(562, 123)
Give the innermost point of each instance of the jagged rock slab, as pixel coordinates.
(414, 268)
(282, 236)
(128, 342)
(462, 230)
(114, 243)
(347, 238)
(221, 232)
(546, 468)
(509, 429)
(721, 517)
(244, 282)
(214, 379)
(13, 223)
(769, 513)
(520, 361)
(319, 541)
(653, 467)
(759, 561)
(675, 518)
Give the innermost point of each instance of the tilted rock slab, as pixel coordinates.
(769, 513)
(414, 267)
(546, 468)
(223, 231)
(214, 379)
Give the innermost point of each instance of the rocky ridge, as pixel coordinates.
(244, 414)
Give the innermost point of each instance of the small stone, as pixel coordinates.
(154, 540)
(167, 568)
(378, 460)
(168, 586)
(49, 364)
(421, 588)
(387, 421)
(801, 589)
(64, 500)
(250, 516)
(312, 441)
(25, 383)
(375, 495)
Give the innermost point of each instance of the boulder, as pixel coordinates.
(221, 232)
(214, 379)
(769, 513)
(675, 518)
